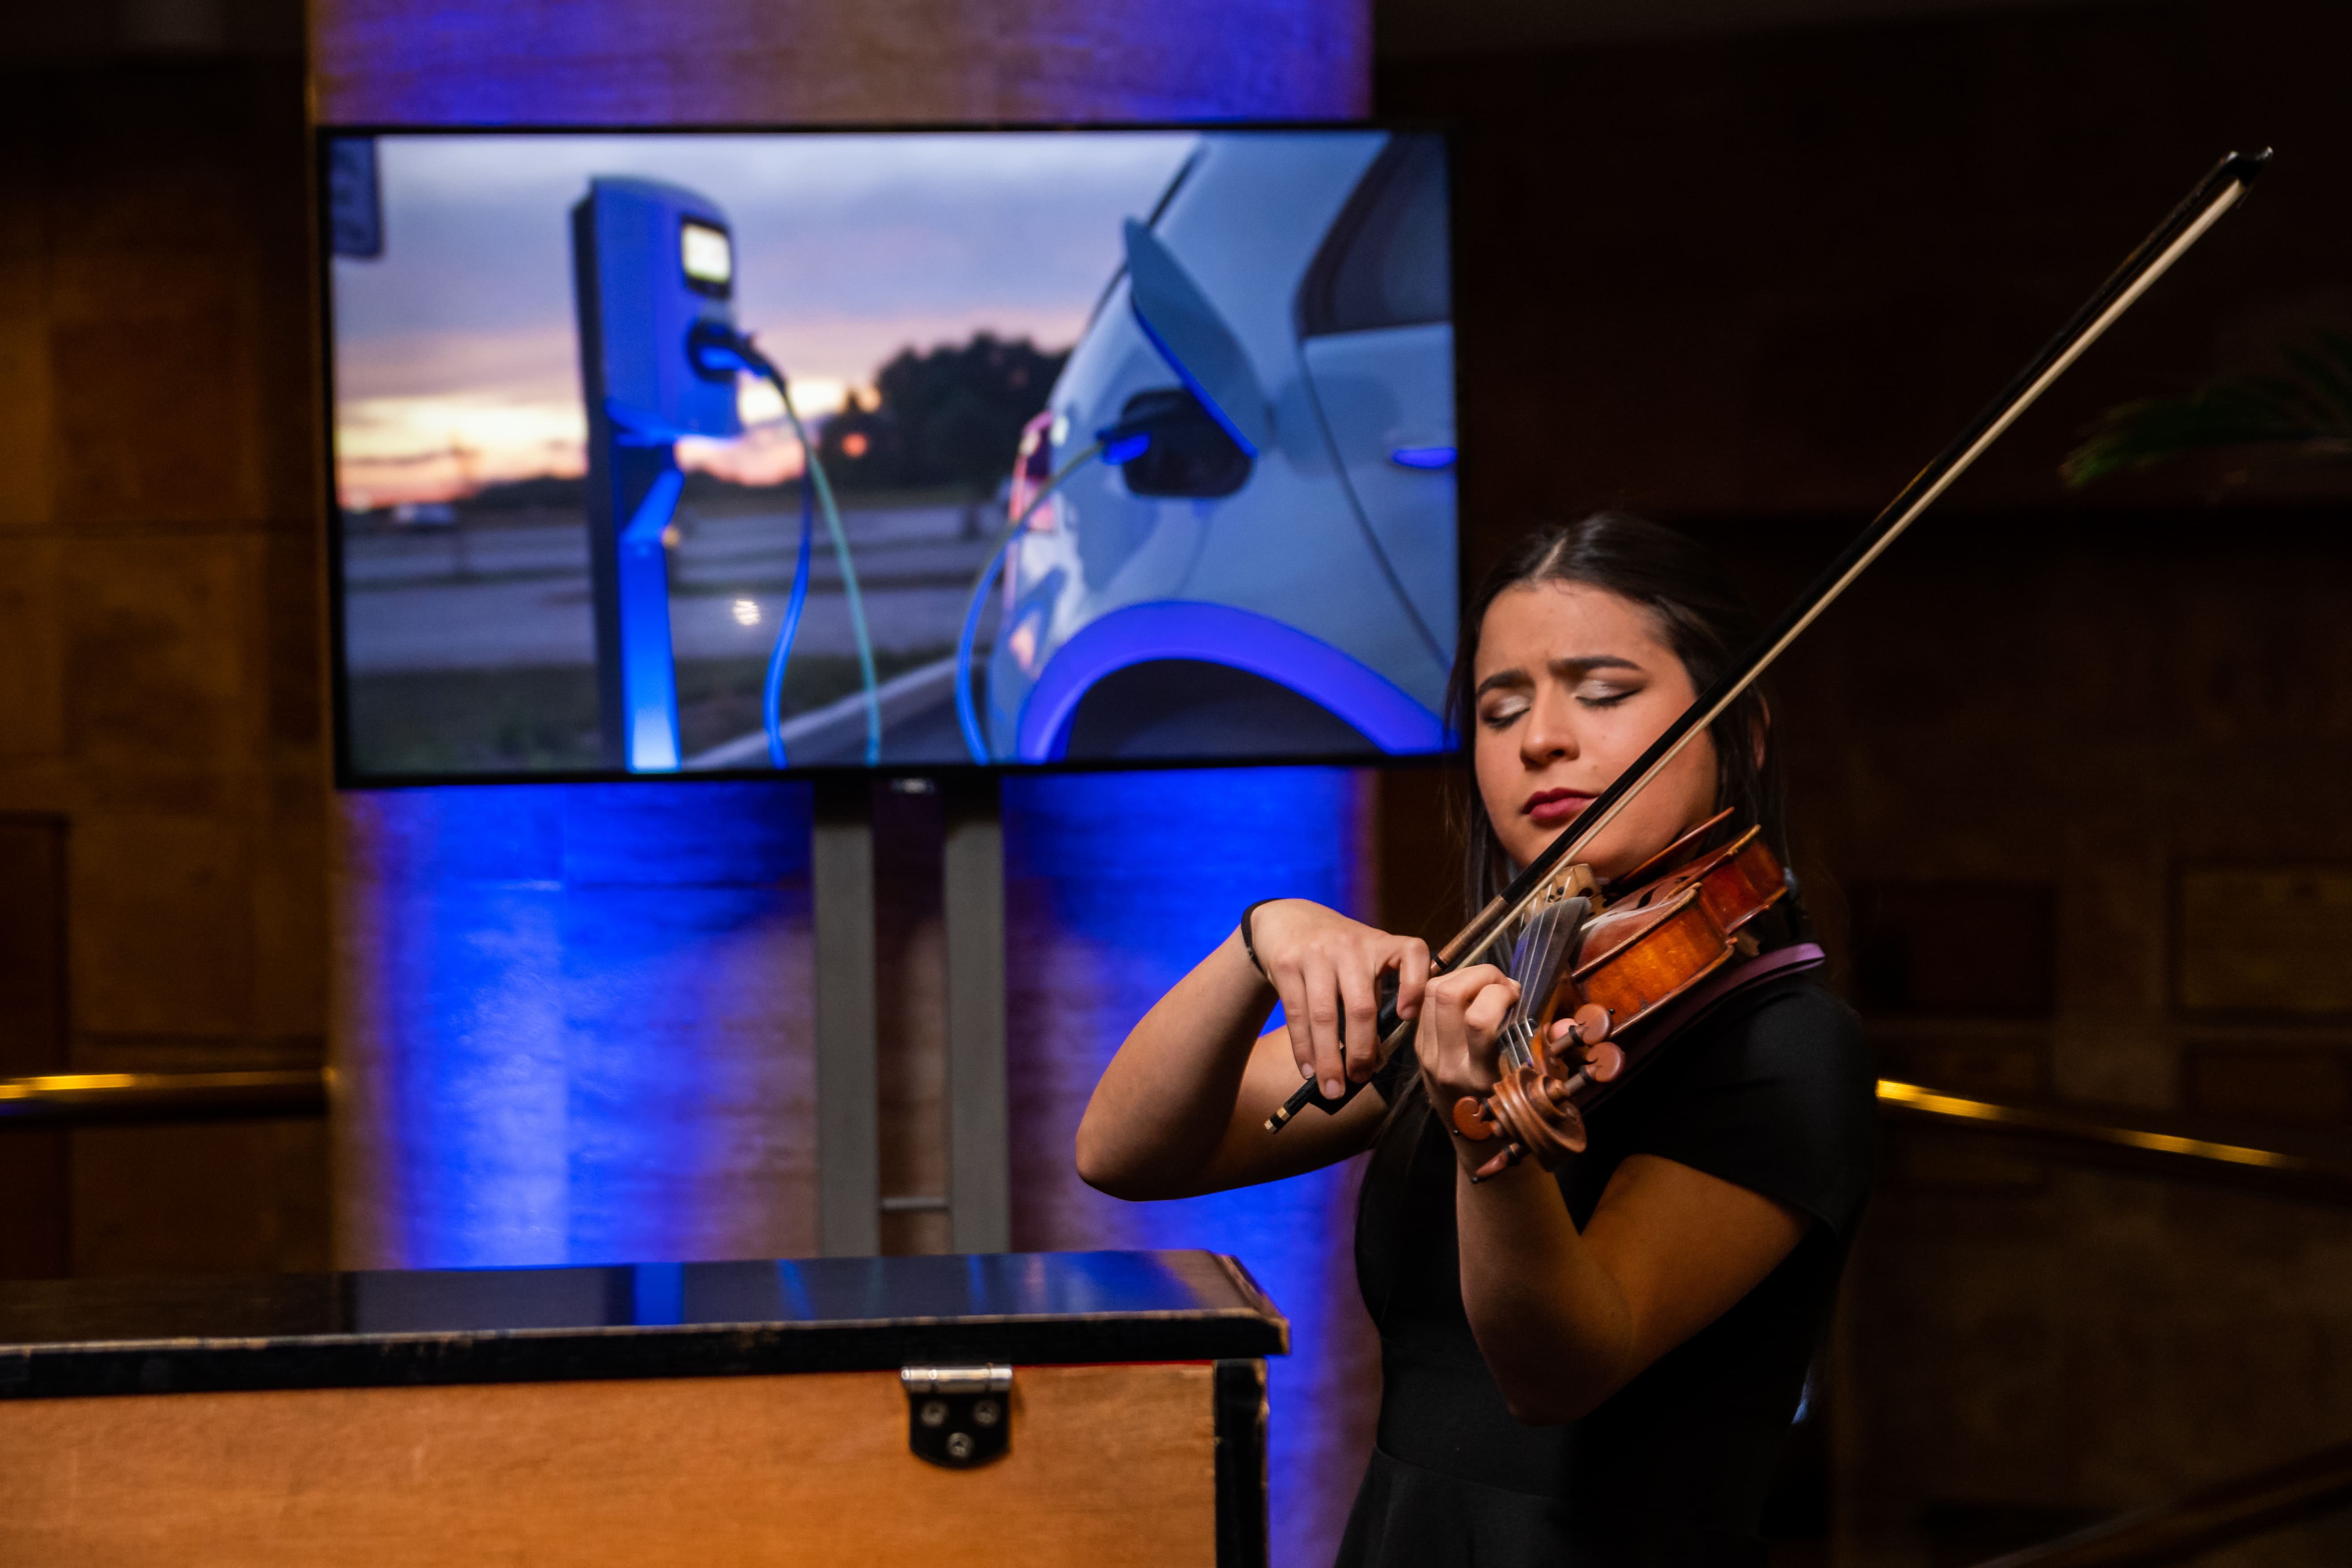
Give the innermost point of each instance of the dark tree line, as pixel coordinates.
(950, 417)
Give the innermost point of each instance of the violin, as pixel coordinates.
(1631, 968)
(1613, 966)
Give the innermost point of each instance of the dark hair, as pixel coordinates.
(1699, 615)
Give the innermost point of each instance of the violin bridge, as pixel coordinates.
(1575, 881)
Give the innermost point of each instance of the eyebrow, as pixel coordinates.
(1567, 668)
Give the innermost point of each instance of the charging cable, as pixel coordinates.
(1117, 444)
(716, 349)
(967, 714)
(771, 696)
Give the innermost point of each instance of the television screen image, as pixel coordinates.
(683, 452)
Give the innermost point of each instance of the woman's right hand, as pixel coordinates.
(1327, 969)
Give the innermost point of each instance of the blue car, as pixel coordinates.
(1261, 562)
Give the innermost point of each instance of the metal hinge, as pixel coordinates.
(957, 1416)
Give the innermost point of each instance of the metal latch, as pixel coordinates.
(957, 1416)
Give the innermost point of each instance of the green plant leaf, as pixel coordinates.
(2305, 409)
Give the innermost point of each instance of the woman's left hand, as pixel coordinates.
(1462, 1015)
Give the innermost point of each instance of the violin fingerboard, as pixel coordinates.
(1540, 959)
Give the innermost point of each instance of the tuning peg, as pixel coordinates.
(1589, 1025)
(1511, 1155)
(1473, 1119)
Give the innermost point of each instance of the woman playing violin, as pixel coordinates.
(1597, 1364)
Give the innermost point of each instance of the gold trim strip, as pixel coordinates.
(163, 1096)
(2076, 1128)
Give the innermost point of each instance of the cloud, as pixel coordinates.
(850, 247)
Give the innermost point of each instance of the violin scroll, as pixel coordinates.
(1532, 1103)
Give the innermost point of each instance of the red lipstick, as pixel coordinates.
(1550, 807)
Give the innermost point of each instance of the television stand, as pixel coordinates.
(849, 1194)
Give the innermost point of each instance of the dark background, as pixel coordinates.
(1749, 285)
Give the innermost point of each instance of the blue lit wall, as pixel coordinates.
(571, 1025)
(749, 62)
(1115, 886)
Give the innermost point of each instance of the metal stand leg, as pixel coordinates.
(979, 1182)
(848, 1146)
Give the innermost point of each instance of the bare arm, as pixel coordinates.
(1565, 1319)
(1180, 1109)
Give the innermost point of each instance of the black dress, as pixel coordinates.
(1775, 1092)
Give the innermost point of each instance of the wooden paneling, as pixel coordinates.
(1109, 1466)
(36, 1216)
(223, 1197)
(159, 616)
(32, 648)
(1954, 949)
(2286, 1085)
(26, 385)
(162, 935)
(32, 945)
(2267, 940)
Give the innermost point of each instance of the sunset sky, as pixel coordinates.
(456, 359)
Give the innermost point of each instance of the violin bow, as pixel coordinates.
(2186, 223)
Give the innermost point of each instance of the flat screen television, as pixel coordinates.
(662, 453)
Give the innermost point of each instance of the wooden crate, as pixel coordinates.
(645, 1444)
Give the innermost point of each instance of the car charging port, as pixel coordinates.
(1166, 444)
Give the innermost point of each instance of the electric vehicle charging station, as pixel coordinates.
(651, 263)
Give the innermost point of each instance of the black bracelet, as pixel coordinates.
(1250, 947)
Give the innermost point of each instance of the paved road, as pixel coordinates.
(919, 726)
(503, 597)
